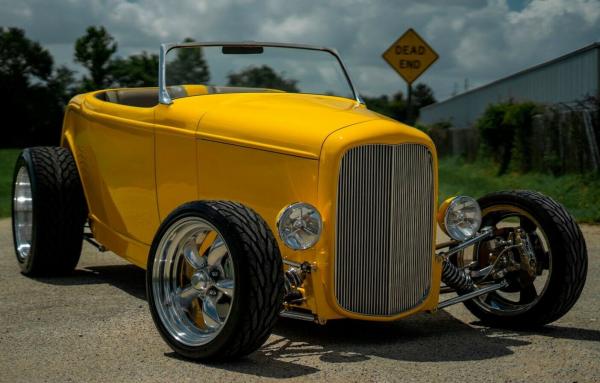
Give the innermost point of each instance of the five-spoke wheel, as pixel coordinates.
(193, 280)
(214, 280)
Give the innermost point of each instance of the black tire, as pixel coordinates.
(258, 273)
(58, 215)
(569, 260)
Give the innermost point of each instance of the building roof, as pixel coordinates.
(576, 52)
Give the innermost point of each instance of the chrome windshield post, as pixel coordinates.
(356, 95)
(163, 95)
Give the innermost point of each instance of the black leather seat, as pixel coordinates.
(139, 97)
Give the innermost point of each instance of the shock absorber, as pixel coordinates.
(456, 278)
(294, 277)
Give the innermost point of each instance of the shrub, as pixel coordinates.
(506, 130)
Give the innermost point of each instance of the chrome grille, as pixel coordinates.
(384, 228)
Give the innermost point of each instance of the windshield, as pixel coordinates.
(196, 70)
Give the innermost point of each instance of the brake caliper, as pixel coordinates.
(528, 261)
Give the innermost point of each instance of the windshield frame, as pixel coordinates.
(165, 98)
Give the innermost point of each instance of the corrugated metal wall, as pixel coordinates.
(562, 80)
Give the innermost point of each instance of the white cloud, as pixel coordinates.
(476, 39)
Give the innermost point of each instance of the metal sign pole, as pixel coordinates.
(409, 103)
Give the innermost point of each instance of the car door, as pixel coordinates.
(123, 194)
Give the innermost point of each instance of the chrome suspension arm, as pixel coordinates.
(472, 294)
(486, 233)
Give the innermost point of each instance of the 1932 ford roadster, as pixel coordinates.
(257, 184)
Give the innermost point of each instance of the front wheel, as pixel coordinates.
(214, 280)
(538, 249)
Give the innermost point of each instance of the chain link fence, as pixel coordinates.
(565, 139)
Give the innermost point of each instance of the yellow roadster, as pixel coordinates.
(254, 183)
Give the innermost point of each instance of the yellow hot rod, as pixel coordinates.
(258, 185)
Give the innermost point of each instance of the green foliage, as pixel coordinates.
(262, 77)
(564, 146)
(396, 106)
(505, 130)
(94, 51)
(136, 70)
(188, 67)
(577, 192)
(422, 95)
(8, 158)
(440, 126)
(31, 89)
(22, 60)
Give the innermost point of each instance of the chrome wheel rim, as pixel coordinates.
(509, 303)
(193, 281)
(23, 213)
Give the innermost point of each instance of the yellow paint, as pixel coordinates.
(265, 150)
(441, 214)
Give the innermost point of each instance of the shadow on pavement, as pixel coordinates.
(258, 364)
(551, 331)
(128, 278)
(422, 338)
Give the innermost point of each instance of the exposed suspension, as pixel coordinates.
(456, 278)
(294, 278)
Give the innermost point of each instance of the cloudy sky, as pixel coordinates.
(477, 40)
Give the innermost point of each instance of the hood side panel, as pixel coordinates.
(295, 124)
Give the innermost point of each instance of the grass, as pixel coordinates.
(7, 164)
(580, 194)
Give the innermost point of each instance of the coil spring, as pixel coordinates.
(293, 279)
(456, 278)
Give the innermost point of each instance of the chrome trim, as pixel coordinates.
(472, 294)
(457, 200)
(384, 229)
(23, 213)
(193, 281)
(165, 98)
(163, 95)
(295, 205)
(486, 233)
(297, 315)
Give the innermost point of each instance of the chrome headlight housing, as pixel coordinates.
(299, 226)
(460, 217)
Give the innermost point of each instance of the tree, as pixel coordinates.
(395, 107)
(422, 96)
(188, 67)
(62, 84)
(31, 89)
(94, 51)
(135, 70)
(262, 77)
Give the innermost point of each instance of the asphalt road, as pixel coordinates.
(95, 326)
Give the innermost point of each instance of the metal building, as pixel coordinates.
(565, 79)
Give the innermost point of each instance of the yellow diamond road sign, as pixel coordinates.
(410, 56)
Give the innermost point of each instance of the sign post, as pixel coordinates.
(410, 56)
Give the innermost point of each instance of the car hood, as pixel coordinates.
(295, 124)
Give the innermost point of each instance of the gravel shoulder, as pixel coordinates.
(95, 326)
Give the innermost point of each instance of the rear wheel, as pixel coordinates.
(48, 211)
(214, 280)
(545, 276)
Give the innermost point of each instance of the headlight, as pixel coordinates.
(299, 226)
(460, 217)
